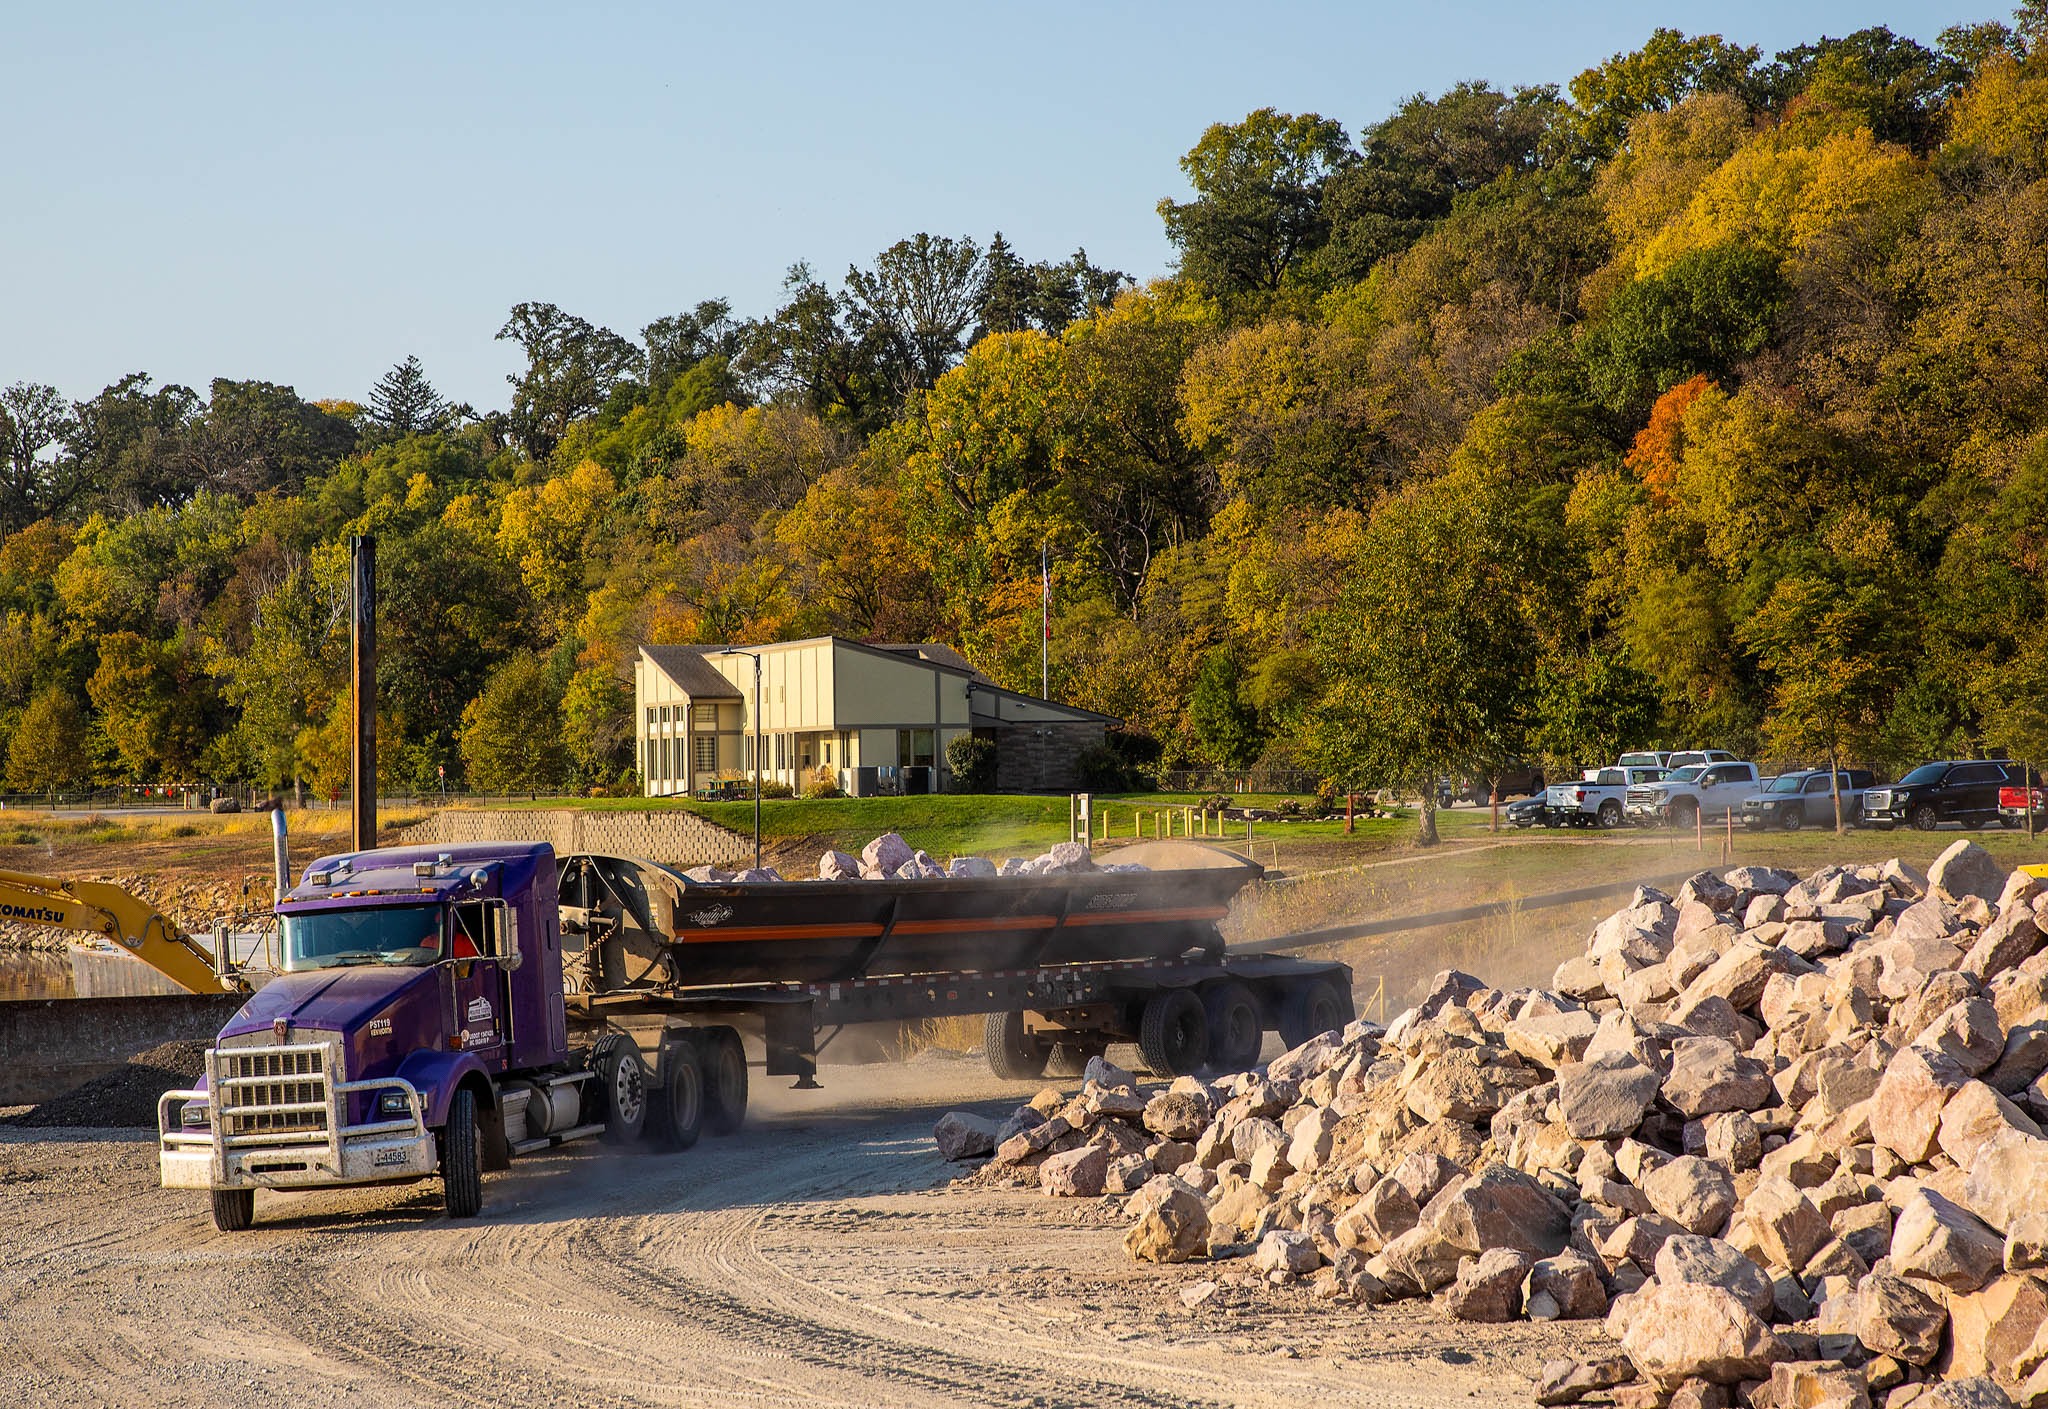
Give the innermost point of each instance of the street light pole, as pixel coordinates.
(757, 760)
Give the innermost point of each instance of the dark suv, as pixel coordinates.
(1795, 800)
(1957, 790)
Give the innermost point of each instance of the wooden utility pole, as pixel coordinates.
(362, 634)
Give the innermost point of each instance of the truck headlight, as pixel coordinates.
(392, 1103)
(192, 1113)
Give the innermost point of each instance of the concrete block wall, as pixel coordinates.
(678, 838)
(50, 1045)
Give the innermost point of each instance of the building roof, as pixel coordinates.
(937, 654)
(692, 673)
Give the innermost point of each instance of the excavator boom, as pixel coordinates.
(95, 907)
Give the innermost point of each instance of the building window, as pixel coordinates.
(650, 720)
(914, 748)
(707, 753)
(666, 775)
(664, 714)
(704, 716)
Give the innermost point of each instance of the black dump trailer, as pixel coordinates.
(1059, 965)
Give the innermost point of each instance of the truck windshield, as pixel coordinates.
(1684, 775)
(390, 934)
(1926, 773)
(1787, 784)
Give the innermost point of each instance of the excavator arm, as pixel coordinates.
(95, 907)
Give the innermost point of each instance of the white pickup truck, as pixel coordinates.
(1708, 792)
(1598, 799)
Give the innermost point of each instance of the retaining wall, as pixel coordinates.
(50, 1045)
(678, 838)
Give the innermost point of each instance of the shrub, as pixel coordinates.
(972, 760)
(822, 783)
(1102, 770)
(771, 788)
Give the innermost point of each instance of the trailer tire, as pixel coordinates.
(1071, 1058)
(1013, 1054)
(234, 1209)
(1236, 1030)
(622, 1082)
(1310, 1008)
(462, 1165)
(1173, 1033)
(725, 1080)
(678, 1110)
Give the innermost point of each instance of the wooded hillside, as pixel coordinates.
(1702, 402)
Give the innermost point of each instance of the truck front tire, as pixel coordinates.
(462, 1167)
(1013, 1054)
(234, 1209)
(1173, 1033)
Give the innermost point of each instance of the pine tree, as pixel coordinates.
(404, 401)
(1003, 303)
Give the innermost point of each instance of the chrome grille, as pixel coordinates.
(273, 1090)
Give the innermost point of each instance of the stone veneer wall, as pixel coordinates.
(678, 838)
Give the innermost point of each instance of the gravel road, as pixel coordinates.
(818, 1257)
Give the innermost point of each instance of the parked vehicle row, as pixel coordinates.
(1650, 788)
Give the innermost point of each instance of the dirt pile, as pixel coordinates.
(1779, 1133)
(126, 1096)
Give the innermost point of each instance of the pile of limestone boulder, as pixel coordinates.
(1779, 1133)
(890, 858)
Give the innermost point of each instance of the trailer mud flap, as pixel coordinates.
(790, 1029)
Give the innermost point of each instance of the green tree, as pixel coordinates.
(511, 738)
(1709, 313)
(1429, 651)
(1224, 726)
(404, 402)
(1590, 707)
(48, 748)
(597, 724)
(1257, 212)
(1610, 96)
(572, 369)
(1833, 651)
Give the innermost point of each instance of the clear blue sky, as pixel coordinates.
(306, 194)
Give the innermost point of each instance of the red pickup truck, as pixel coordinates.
(2014, 803)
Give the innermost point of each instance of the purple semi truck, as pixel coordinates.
(442, 1010)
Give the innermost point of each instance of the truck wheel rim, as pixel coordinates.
(629, 1093)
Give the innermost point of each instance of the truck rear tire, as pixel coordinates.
(1013, 1054)
(234, 1209)
(1235, 1027)
(1311, 1008)
(1610, 815)
(1071, 1058)
(725, 1080)
(622, 1081)
(678, 1109)
(462, 1165)
(1173, 1033)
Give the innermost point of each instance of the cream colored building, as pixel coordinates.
(877, 717)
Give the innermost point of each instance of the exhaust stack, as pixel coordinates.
(280, 850)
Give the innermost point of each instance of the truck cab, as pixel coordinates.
(417, 988)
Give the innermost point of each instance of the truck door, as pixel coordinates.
(481, 1015)
(1820, 803)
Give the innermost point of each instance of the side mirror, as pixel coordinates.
(508, 936)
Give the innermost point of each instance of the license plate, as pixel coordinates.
(384, 1157)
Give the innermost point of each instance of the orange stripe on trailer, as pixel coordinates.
(1125, 917)
(740, 932)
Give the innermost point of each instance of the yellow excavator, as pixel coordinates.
(97, 907)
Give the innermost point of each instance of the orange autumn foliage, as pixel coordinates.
(1660, 445)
